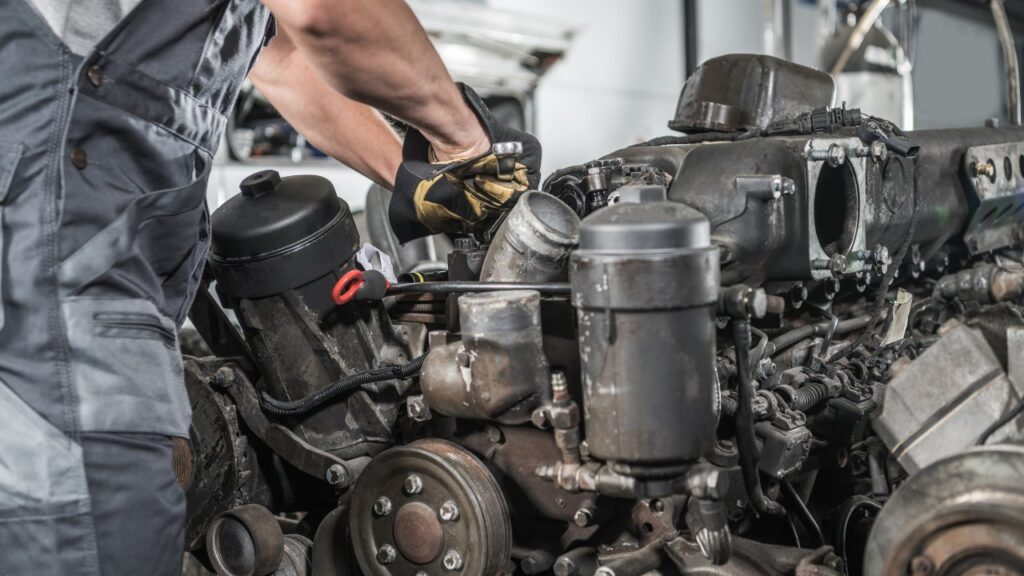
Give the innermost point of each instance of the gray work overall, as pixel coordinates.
(103, 235)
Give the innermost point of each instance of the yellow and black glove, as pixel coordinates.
(464, 196)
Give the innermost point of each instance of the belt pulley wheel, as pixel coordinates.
(962, 516)
(429, 508)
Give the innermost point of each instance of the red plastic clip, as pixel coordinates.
(347, 286)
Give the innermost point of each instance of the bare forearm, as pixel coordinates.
(351, 132)
(376, 52)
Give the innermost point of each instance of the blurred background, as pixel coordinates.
(590, 76)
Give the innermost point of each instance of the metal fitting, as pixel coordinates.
(448, 512)
(382, 506)
(583, 517)
(417, 409)
(386, 554)
(413, 485)
(452, 561)
(336, 475)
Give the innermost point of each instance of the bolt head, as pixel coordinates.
(413, 485)
(336, 475)
(836, 155)
(604, 571)
(452, 561)
(417, 409)
(879, 151)
(583, 517)
(448, 512)
(382, 506)
(386, 554)
(539, 418)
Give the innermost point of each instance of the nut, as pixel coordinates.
(583, 517)
(417, 409)
(448, 512)
(413, 485)
(336, 475)
(452, 561)
(386, 554)
(382, 506)
(836, 155)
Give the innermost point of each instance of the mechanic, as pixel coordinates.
(110, 114)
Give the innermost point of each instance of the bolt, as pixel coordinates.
(539, 418)
(413, 485)
(452, 561)
(984, 169)
(921, 566)
(604, 571)
(836, 155)
(417, 409)
(583, 517)
(657, 505)
(382, 506)
(448, 512)
(336, 475)
(386, 554)
(878, 151)
(494, 434)
(765, 368)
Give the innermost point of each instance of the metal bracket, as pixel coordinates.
(996, 177)
(285, 443)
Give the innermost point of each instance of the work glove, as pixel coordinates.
(464, 196)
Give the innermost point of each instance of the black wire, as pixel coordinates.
(849, 508)
(1006, 419)
(806, 518)
(345, 384)
(746, 441)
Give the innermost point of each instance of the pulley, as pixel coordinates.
(427, 508)
(961, 516)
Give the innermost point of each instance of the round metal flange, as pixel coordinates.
(430, 507)
(961, 516)
(245, 541)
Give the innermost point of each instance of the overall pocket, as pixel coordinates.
(10, 155)
(126, 367)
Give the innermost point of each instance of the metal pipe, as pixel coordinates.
(690, 36)
(871, 15)
(1009, 58)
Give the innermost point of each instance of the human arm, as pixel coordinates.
(376, 52)
(349, 131)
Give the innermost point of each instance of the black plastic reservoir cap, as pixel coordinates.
(267, 217)
(649, 226)
(260, 183)
(280, 234)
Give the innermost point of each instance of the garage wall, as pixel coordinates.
(619, 82)
(958, 79)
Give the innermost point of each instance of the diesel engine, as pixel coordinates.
(789, 341)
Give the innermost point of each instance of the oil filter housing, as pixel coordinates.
(278, 249)
(645, 285)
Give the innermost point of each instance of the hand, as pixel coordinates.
(460, 196)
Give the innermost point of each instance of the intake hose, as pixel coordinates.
(746, 442)
(809, 395)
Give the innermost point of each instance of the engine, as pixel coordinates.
(789, 341)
